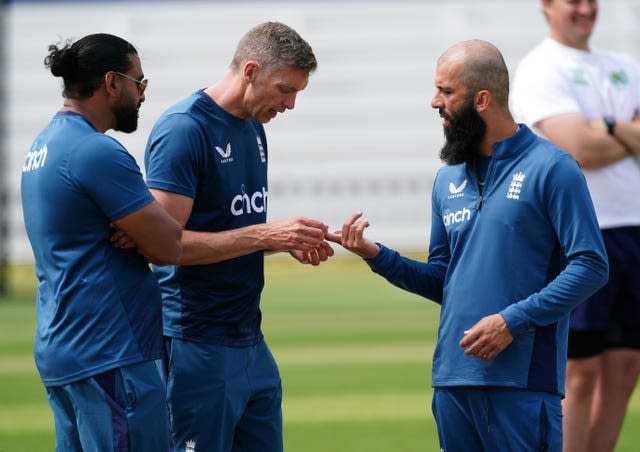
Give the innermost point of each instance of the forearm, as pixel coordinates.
(628, 132)
(297, 234)
(587, 141)
(595, 148)
(578, 281)
(201, 248)
(420, 278)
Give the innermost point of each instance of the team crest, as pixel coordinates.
(515, 187)
(263, 156)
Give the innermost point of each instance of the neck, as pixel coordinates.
(88, 108)
(494, 135)
(228, 93)
(578, 44)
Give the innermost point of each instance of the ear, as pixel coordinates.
(250, 71)
(110, 82)
(481, 100)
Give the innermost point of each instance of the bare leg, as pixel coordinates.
(618, 378)
(582, 378)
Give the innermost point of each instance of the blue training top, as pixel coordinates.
(528, 247)
(199, 150)
(98, 307)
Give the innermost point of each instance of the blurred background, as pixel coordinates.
(362, 136)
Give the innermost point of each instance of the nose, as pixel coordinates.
(586, 7)
(290, 101)
(436, 101)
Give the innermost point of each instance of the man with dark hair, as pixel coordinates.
(98, 340)
(587, 101)
(514, 247)
(206, 163)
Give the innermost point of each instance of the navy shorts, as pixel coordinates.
(224, 398)
(123, 409)
(479, 419)
(611, 317)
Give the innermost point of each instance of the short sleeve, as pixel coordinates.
(540, 91)
(104, 169)
(173, 157)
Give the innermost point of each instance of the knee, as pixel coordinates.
(581, 380)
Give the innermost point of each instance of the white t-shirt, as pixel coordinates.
(555, 79)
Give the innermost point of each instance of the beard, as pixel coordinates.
(463, 136)
(126, 117)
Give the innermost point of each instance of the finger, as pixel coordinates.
(117, 235)
(359, 231)
(347, 225)
(335, 237)
(315, 224)
(313, 258)
(327, 249)
(324, 251)
(354, 235)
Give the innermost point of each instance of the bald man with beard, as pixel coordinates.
(514, 247)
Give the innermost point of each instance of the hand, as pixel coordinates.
(315, 256)
(296, 234)
(487, 338)
(352, 237)
(121, 240)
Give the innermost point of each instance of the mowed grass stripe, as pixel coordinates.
(17, 365)
(27, 417)
(357, 407)
(404, 352)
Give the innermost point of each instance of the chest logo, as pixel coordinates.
(515, 187)
(247, 203)
(578, 77)
(263, 156)
(225, 153)
(619, 78)
(457, 192)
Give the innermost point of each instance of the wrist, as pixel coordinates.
(610, 123)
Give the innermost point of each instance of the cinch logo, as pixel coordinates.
(225, 153)
(456, 192)
(456, 217)
(245, 203)
(35, 160)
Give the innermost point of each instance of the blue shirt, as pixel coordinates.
(199, 150)
(528, 247)
(98, 307)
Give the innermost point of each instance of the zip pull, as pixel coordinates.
(479, 203)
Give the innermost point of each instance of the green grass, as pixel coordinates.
(354, 353)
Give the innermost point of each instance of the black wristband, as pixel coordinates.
(610, 122)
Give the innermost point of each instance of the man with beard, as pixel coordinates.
(514, 247)
(98, 337)
(587, 100)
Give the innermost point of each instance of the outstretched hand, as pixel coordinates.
(351, 237)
